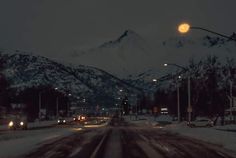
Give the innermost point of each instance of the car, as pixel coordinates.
(82, 118)
(75, 118)
(61, 121)
(201, 122)
(18, 124)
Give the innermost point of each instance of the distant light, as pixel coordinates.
(11, 124)
(164, 109)
(154, 80)
(121, 90)
(179, 77)
(183, 28)
(165, 64)
(69, 94)
(56, 88)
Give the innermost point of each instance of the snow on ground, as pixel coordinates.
(16, 143)
(227, 127)
(212, 135)
(217, 135)
(37, 124)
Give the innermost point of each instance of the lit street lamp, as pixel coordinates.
(189, 92)
(154, 80)
(185, 28)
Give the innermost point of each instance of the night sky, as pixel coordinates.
(53, 28)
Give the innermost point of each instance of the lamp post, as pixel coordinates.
(185, 28)
(178, 104)
(57, 103)
(68, 105)
(189, 92)
(40, 104)
(121, 96)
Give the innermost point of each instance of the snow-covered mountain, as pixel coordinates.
(26, 71)
(126, 55)
(133, 58)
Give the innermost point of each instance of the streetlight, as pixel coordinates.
(57, 103)
(178, 104)
(185, 28)
(68, 105)
(154, 80)
(189, 91)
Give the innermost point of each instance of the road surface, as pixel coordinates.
(123, 140)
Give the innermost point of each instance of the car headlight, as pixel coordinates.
(21, 123)
(58, 121)
(64, 121)
(74, 119)
(10, 124)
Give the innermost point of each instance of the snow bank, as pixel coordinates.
(14, 144)
(212, 135)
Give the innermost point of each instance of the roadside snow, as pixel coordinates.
(15, 143)
(220, 135)
(212, 135)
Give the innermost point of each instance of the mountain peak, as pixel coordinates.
(126, 34)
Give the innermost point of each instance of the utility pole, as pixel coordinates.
(231, 99)
(178, 106)
(68, 109)
(57, 106)
(189, 100)
(39, 115)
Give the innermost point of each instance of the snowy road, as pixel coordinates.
(122, 140)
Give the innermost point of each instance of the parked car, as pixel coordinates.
(201, 122)
(61, 121)
(18, 124)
